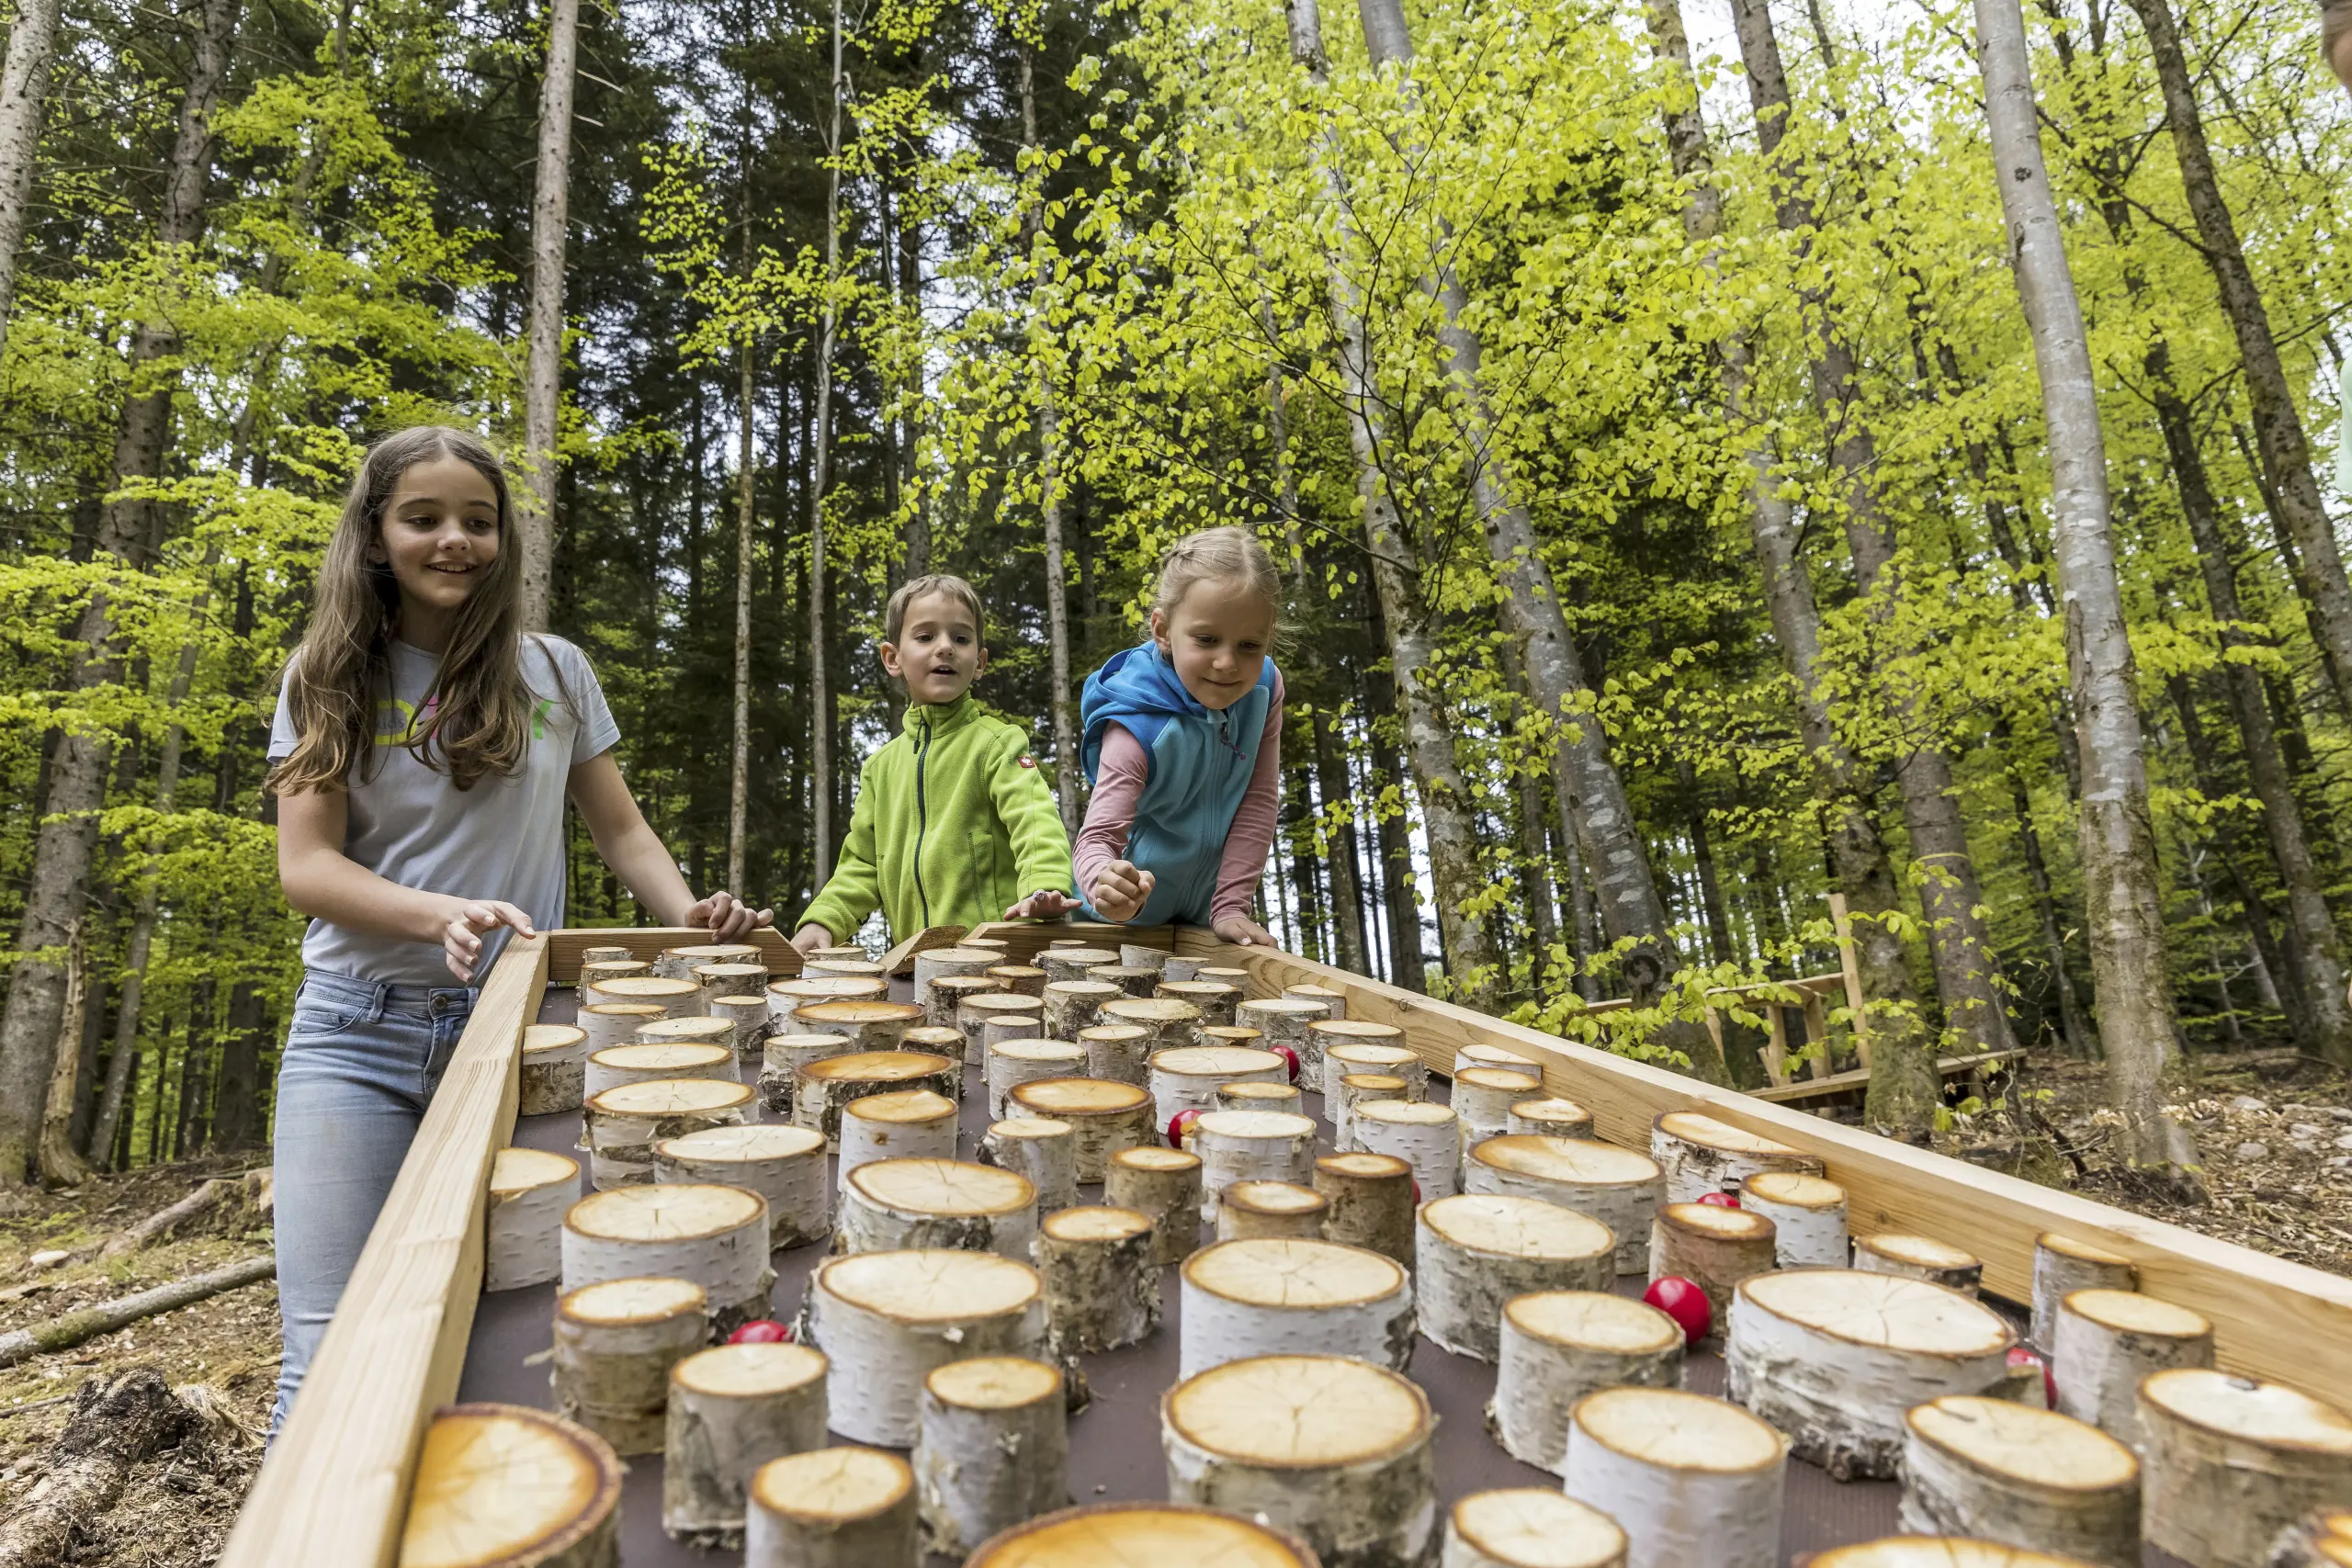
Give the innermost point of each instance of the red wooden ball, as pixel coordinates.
(1179, 1125)
(2021, 1357)
(1720, 1199)
(760, 1331)
(1685, 1303)
(1290, 1057)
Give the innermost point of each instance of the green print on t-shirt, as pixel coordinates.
(396, 720)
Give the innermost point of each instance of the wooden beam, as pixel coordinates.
(900, 960)
(2271, 1318)
(334, 1488)
(1026, 938)
(1855, 1078)
(648, 943)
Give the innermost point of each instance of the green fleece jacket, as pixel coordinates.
(953, 824)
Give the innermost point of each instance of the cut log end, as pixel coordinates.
(1920, 1258)
(2233, 1464)
(1108, 1533)
(499, 1485)
(1531, 1527)
(2008, 1471)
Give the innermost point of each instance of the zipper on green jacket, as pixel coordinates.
(922, 814)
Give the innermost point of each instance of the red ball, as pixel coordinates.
(1290, 1057)
(2021, 1357)
(1179, 1125)
(760, 1331)
(1685, 1303)
(1720, 1199)
(1417, 1192)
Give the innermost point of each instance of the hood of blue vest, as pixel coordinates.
(1138, 689)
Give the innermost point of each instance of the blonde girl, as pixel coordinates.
(1183, 740)
(422, 752)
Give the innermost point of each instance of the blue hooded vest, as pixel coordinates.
(1201, 763)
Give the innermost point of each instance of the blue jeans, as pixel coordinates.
(360, 1065)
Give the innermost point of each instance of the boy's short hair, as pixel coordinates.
(894, 617)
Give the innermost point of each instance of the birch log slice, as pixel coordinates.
(1027, 979)
(615, 1344)
(2062, 1266)
(1938, 1551)
(1483, 1098)
(1278, 1298)
(1700, 1154)
(993, 1449)
(1164, 1185)
(1351, 1046)
(1713, 1249)
(912, 1123)
(1012, 1062)
(624, 1123)
(680, 963)
(1120, 1053)
(785, 1165)
(1186, 1077)
(822, 1086)
(839, 949)
(696, 1029)
(1424, 1135)
(1529, 1527)
(1284, 1097)
(1690, 1480)
(555, 1069)
(1041, 1149)
(1557, 1347)
(1169, 1025)
(2107, 1341)
(1477, 1251)
(609, 969)
(1101, 1287)
(1549, 1118)
(1064, 964)
(1808, 1216)
(716, 1237)
(523, 1238)
(734, 1408)
(1251, 1211)
(1617, 1187)
(1179, 967)
(1333, 1451)
(1468, 1057)
(856, 968)
(2004, 1472)
(1284, 1022)
(1354, 1090)
(675, 998)
(1133, 980)
(1019, 1018)
(2231, 1464)
(1250, 1145)
(1231, 974)
(1920, 1258)
(607, 1024)
(788, 997)
(1334, 1001)
(1152, 958)
(1372, 1204)
(1232, 1034)
(947, 1042)
(896, 1205)
(503, 1486)
(781, 1058)
(1834, 1357)
(1215, 999)
(869, 1025)
(747, 1021)
(740, 979)
(2322, 1540)
(1073, 1005)
(610, 954)
(1102, 1535)
(645, 1061)
(832, 1508)
(1104, 1117)
(944, 1003)
(889, 1320)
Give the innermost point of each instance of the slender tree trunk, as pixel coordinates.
(543, 372)
(821, 738)
(738, 774)
(1049, 499)
(24, 93)
(2125, 907)
(915, 529)
(1584, 929)
(129, 531)
(1534, 841)
(1337, 837)
(2075, 1029)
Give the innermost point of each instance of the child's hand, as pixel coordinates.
(1243, 931)
(1119, 893)
(1042, 905)
(468, 917)
(727, 918)
(811, 937)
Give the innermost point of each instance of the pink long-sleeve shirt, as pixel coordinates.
(1119, 778)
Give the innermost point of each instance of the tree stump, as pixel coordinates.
(1483, 1098)
(1075, 1005)
(892, 1205)
(1558, 1345)
(1216, 999)
(832, 1509)
(1425, 1136)
(1920, 1258)
(1834, 1357)
(680, 963)
(822, 1086)
(504, 1487)
(1187, 1077)
(1354, 1090)
(716, 1237)
(785, 1165)
(1026, 978)
(1351, 1046)
(615, 1344)
(1935, 1552)
(868, 1025)
(2107, 1341)
(734, 1408)
(1133, 979)
(606, 955)
(2062, 1266)
(1104, 1117)
(624, 1123)
(1012, 1015)
(1371, 1205)
(747, 1020)
(2003, 1472)
(2232, 1464)
(523, 1238)
(942, 1004)
(1066, 963)
(1168, 1025)
(678, 998)
(1012, 1062)
(1250, 1145)
(1282, 1021)
(1281, 1096)
(912, 1123)
(1688, 1479)
(607, 1024)
(1548, 1118)
(1042, 1148)
(645, 1061)
(1715, 1250)
(739, 980)
(889, 1320)
(781, 1058)
(1163, 1185)
(1103, 1533)
(1468, 1057)
(1334, 1001)
(554, 1070)
(1700, 1154)
(1116, 1053)
(1334, 1451)
(1155, 959)
(1808, 1216)
(1269, 1298)
(2322, 1540)
(1479, 1251)
(1617, 1187)
(786, 996)
(993, 1449)
(609, 969)
(1252, 1211)
(1529, 1527)
(1101, 1287)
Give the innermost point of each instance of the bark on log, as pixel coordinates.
(1687, 1478)
(1012, 1062)
(2107, 1342)
(1119, 1053)
(1063, 965)
(740, 980)
(252, 1191)
(822, 1086)
(2005, 1473)
(592, 971)
(1165, 1186)
(1354, 1047)
(1920, 1258)
(1016, 1017)
(747, 1022)
(944, 1002)
(118, 1422)
(1284, 1022)
(1335, 1002)
(1372, 1204)
(1216, 999)
(895, 1205)
(680, 963)
(714, 1236)
(786, 996)
(1027, 979)
(69, 1329)
(1281, 1096)
(1152, 958)
(1101, 1287)
(1551, 1118)
(1468, 1057)
(909, 1124)
(2322, 1540)
(1715, 1250)
(1280, 1298)
(523, 1238)
(644, 1061)
(2231, 1464)
(1253, 1211)
(889, 1320)
(781, 1058)
(1171, 1025)
(732, 1408)
(1073, 1005)
(1142, 1532)
(555, 1069)
(1483, 1098)
(606, 955)
(1700, 1154)
(1041, 1149)
(1425, 1136)
(1250, 1145)
(607, 1024)
(1104, 1117)
(869, 1025)
(504, 1487)
(1529, 1527)
(615, 1344)
(1619, 1188)
(1808, 1216)
(993, 1451)
(1133, 980)
(785, 1165)
(1477, 1252)
(624, 1123)
(1557, 1347)
(840, 1507)
(1188, 1077)
(2062, 1266)
(676, 998)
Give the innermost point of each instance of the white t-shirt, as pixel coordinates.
(503, 839)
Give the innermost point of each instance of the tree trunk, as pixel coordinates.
(1049, 499)
(61, 1164)
(237, 1124)
(739, 773)
(129, 531)
(24, 92)
(915, 530)
(543, 372)
(2290, 488)
(2075, 1030)
(2125, 909)
(820, 737)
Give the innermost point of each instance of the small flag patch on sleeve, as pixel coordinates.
(1028, 761)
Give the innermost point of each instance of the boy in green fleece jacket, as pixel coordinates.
(953, 823)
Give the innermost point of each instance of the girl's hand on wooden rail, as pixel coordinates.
(810, 937)
(469, 918)
(1042, 905)
(1120, 889)
(1243, 931)
(728, 916)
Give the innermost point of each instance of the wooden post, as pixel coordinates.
(732, 1408)
(1855, 1001)
(993, 1449)
(1261, 1298)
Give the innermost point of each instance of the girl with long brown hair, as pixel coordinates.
(423, 749)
